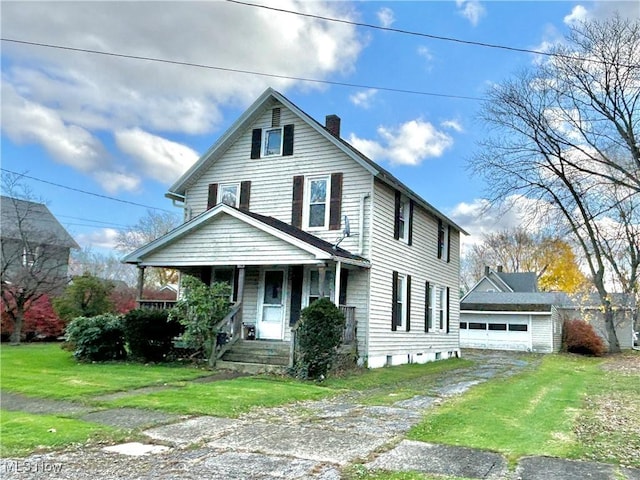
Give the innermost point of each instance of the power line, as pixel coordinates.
(109, 224)
(84, 191)
(421, 34)
(236, 70)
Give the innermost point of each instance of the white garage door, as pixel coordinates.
(495, 332)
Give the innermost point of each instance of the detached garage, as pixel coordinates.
(521, 321)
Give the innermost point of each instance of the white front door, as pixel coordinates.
(271, 305)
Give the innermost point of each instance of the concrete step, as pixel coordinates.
(234, 355)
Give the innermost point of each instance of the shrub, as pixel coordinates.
(40, 321)
(97, 338)
(318, 336)
(149, 334)
(85, 296)
(580, 337)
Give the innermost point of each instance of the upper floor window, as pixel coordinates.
(29, 256)
(403, 218)
(272, 142)
(443, 240)
(228, 194)
(317, 202)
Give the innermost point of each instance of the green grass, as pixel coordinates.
(47, 371)
(227, 398)
(533, 413)
(23, 433)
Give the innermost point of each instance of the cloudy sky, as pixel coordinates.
(173, 76)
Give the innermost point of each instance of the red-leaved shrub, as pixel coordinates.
(40, 321)
(580, 337)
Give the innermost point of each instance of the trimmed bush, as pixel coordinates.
(579, 337)
(149, 334)
(97, 338)
(318, 337)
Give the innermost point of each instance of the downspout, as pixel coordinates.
(363, 197)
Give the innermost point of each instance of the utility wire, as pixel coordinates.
(422, 34)
(84, 191)
(236, 70)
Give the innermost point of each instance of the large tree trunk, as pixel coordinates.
(18, 318)
(610, 327)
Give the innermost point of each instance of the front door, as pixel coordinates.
(272, 306)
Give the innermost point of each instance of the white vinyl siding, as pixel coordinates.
(272, 177)
(420, 261)
(227, 241)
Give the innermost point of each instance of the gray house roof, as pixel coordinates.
(520, 281)
(513, 301)
(34, 221)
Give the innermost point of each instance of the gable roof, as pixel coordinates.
(268, 98)
(321, 249)
(520, 281)
(513, 301)
(34, 221)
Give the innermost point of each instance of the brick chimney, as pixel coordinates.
(332, 123)
(499, 268)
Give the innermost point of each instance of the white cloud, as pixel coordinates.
(114, 181)
(472, 10)
(363, 98)
(408, 144)
(386, 17)
(106, 238)
(602, 9)
(66, 100)
(158, 157)
(578, 14)
(425, 53)
(453, 125)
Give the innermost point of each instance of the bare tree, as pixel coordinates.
(108, 267)
(567, 134)
(34, 253)
(152, 226)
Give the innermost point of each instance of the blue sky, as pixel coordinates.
(127, 128)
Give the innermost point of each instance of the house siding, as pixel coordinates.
(542, 334)
(272, 177)
(226, 240)
(420, 261)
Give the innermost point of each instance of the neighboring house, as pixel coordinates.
(505, 311)
(286, 211)
(33, 241)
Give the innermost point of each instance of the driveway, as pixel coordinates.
(308, 440)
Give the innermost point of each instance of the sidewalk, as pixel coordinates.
(309, 440)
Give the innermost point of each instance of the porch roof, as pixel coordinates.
(224, 235)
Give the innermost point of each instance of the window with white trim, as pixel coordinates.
(229, 193)
(401, 300)
(443, 240)
(442, 302)
(316, 205)
(403, 220)
(438, 309)
(314, 285)
(29, 256)
(272, 142)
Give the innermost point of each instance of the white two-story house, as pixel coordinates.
(286, 211)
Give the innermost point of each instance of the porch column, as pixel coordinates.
(336, 287)
(241, 272)
(237, 322)
(140, 281)
(322, 272)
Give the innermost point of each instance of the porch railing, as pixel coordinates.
(350, 324)
(156, 304)
(229, 331)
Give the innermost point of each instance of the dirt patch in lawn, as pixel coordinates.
(625, 363)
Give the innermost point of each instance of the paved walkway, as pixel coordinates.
(309, 440)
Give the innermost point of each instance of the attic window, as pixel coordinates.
(272, 142)
(275, 117)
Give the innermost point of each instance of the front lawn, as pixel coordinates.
(548, 411)
(45, 370)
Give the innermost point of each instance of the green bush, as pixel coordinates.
(318, 337)
(97, 338)
(149, 334)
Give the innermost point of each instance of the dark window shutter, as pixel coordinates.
(344, 282)
(447, 305)
(427, 306)
(396, 217)
(394, 301)
(335, 203)
(213, 195)
(298, 200)
(296, 293)
(408, 300)
(448, 243)
(440, 237)
(245, 195)
(287, 141)
(411, 206)
(205, 275)
(256, 142)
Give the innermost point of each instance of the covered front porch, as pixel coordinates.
(274, 271)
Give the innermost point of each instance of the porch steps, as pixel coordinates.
(256, 356)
